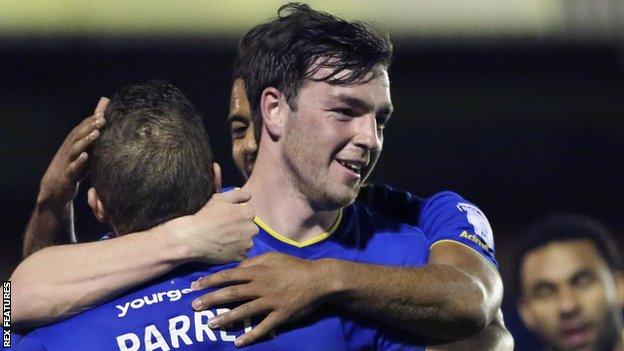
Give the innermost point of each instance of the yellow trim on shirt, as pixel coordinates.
(298, 244)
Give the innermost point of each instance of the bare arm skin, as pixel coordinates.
(48, 226)
(455, 296)
(495, 337)
(60, 281)
(51, 222)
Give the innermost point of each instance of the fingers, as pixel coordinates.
(76, 169)
(83, 144)
(235, 196)
(95, 121)
(266, 259)
(221, 278)
(269, 323)
(229, 294)
(101, 106)
(251, 261)
(241, 312)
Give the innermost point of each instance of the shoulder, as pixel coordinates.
(447, 216)
(375, 235)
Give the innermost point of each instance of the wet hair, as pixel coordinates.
(152, 161)
(286, 52)
(565, 227)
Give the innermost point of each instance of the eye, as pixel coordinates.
(238, 129)
(345, 112)
(584, 280)
(543, 291)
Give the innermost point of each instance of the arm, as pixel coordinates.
(48, 226)
(440, 301)
(495, 337)
(60, 281)
(455, 296)
(51, 222)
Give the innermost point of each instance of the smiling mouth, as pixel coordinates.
(355, 167)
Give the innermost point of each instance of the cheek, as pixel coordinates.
(545, 315)
(595, 300)
(237, 150)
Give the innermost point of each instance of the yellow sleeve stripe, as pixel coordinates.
(298, 244)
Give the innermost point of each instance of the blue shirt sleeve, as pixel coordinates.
(448, 216)
(30, 342)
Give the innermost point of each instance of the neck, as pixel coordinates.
(280, 205)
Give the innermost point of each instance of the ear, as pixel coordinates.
(619, 288)
(96, 206)
(526, 314)
(216, 170)
(273, 106)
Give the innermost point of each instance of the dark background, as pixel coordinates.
(522, 128)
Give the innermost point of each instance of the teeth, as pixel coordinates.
(354, 167)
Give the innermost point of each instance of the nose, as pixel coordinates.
(568, 303)
(368, 134)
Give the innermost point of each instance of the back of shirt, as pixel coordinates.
(158, 316)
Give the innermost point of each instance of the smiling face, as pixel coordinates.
(570, 296)
(334, 136)
(244, 146)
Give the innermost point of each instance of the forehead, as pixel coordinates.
(559, 261)
(239, 104)
(374, 87)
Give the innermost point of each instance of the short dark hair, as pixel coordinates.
(564, 227)
(152, 161)
(286, 51)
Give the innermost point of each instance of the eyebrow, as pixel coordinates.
(583, 272)
(363, 105)
(540, 283)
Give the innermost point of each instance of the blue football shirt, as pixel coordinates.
(158, 316)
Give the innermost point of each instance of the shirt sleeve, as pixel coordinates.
(448, 216)
(30, 342)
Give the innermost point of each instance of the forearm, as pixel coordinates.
(438, 302)
(495, 337)
(60, 281)
(48, 226)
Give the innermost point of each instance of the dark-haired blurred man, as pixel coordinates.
(569, 277)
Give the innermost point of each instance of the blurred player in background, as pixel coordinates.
(448, 252)
(569, 277)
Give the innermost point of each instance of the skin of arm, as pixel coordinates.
(456, 296)
(48, 226)
(60, 281)
(495, 337)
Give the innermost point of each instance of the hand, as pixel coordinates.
(221, 231)
(283, 287)
(60, 182)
